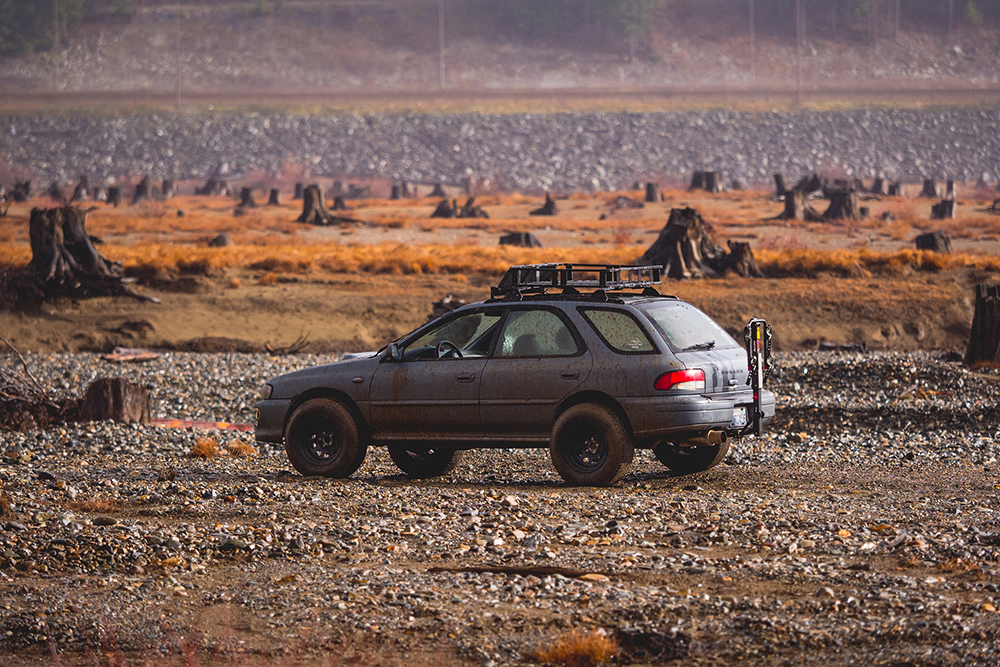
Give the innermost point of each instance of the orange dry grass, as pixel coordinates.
(204, 448)
(241, 449)
(801, 262)
(578, 649)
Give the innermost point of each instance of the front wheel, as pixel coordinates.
(322, 439)
(687, 460)
(422, 461)
(590, 446)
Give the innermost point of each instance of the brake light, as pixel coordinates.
(690, 380)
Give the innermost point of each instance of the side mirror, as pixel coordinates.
(393, 353)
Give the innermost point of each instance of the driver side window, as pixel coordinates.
(470, 334)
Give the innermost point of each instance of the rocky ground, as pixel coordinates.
(526, 152)
(861, 528)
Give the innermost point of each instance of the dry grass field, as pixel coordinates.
(358, 285)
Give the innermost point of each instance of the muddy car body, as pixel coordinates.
(592, 375)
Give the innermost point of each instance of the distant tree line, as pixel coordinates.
(29, 25)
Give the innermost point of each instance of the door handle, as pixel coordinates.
(569, 375)
(465, 377)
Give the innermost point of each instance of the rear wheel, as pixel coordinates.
(590, 446)
(322, 439)
(422, 461)
(687, 460)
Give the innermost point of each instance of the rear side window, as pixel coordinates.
(618, 330)
(687, 328)
(535, 333)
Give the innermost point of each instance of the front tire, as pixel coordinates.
(422, 462)
(322, 439)
(688, 460)
(590, 446)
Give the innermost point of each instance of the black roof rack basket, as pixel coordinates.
(536, 278)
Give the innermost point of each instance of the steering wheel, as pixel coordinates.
(446, 348)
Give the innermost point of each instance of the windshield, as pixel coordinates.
(687, 328)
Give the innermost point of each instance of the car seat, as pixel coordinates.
(526, 345)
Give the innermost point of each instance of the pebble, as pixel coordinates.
(878, 521)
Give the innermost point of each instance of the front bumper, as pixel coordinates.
(271, 419)
(659, 416)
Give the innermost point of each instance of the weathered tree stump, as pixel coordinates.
(438, 190)
(116, 399)
(404, 189)
(55, 193)
(936, 241)
(396, 193)
(984, 338)
(945, 210)
(895, 189)
(931, 189)
(843, 206)
(520, 240)
(339, 204)
(739, 260)
(949, 192)
(314, 211)
(470, 210)
(115, 195)
(780, 187)
(221, 241)
(246, 199)
(142, 191)
(796, 208)
(272, 199)
(652, 193)
(21, 192)
(444, 210)
(548, 208)
(82, 190)
(167, 189)
(680, 245)
(622, 203)
(708, 181)
(298, 191)
(811, 183)
(214, 187)
(878, 186)
(338, 189)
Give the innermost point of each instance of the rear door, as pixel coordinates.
(538, 359)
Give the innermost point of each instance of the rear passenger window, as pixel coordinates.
(619, 330)
(536, 333)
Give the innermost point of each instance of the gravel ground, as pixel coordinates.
(863, 527)
(578, 151)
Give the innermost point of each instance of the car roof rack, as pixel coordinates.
(536, 278)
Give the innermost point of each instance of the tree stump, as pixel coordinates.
(984, 338)
(221, 241)
(470, 210)
(709, 181)
(680, 247)
(444, 210)
(314, 211)
(397, 192)
(896, 189)
(878, 187)
(115, 195)
(780, 187)
(652, 193)
(272, 199)
(167, 189)
(945, 210)
(843, 206)
(438, 190)
(298, 191)
(739, 260)
(548, 208)
(811, 183)
(213, 187)
(338, 189)
(404, 188)
(21, 192)
(116, 399)
(949, 192)
(55, 193)
(520, 240)
(931, 189)
(796, 208)
(142, 191)
(936, 241)
(339, 204)
(82, 190)
(246, 198)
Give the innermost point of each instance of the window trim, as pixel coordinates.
(444, 321)
(581, 344)
(628, 353)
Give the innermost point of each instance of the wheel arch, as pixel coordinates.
(599, 398)
(326, 392)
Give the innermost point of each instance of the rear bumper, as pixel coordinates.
(271, 420)
(657, 416)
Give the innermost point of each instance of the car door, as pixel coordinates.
(432, 391)
(538, 358)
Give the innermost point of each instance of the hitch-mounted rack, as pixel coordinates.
(536, 278)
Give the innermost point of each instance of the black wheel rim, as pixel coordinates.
(322, 445)
(587, 447)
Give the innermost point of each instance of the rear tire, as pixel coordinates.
(422, 461)
(590, 446)
(688, 460)
(322, 439)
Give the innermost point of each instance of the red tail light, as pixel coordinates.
(690, 380)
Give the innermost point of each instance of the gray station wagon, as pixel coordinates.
(587, 360)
